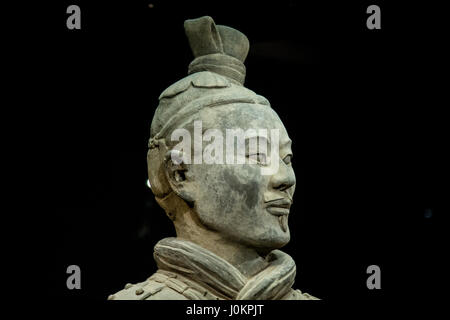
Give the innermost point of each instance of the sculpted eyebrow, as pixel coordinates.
(257, 136)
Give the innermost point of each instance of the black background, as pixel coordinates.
(363, 107)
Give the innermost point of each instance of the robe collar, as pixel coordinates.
(206, 268)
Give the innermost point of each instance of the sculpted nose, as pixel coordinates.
(284, 178)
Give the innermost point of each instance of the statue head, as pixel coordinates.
(244, 200)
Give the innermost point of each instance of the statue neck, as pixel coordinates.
(245, 259)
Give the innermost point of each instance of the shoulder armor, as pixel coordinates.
(157, 282)
(138, 291)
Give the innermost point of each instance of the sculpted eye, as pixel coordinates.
(260, 158)
(288, 159)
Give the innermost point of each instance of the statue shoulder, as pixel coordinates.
(138, 291)
(160, 286)
(298, 295)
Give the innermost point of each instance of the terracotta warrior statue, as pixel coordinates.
(230, 219)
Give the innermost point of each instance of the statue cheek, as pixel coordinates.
(247, 183)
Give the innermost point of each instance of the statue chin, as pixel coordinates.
(265, 246)
(262, 238)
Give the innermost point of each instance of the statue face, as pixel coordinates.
(237, 200)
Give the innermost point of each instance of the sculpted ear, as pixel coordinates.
(176, 174)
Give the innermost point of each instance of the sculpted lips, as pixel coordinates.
(280, 208)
